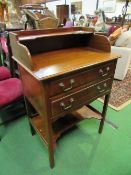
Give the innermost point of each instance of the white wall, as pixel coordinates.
(118, 9)
(88, 7)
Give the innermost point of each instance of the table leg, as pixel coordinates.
(49, 134)
(104, 112)
(51, 154)
(29, 114)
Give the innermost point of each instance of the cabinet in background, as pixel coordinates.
(62, 12)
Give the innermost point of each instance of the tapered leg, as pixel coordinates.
(49, 134)
(30, 114)
(51, 155)
(104, 112)
(33, 132)
(0, 55)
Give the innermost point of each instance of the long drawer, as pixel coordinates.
(76, 99)
(68, 83)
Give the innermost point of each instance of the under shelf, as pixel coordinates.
(64, 123)
(88, 112)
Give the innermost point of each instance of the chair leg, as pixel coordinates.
(0, 56)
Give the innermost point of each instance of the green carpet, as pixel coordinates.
(121, 119)
(82, 151)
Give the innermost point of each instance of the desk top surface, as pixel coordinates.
(82, 50)
(58, 62)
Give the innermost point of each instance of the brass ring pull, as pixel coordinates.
(72, 81)
(102, 72)
(67, 107)
(100, 89)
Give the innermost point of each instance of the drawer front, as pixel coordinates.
(79, 98)
(68, 83)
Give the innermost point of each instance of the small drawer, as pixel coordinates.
(78, 98)
(88, 76)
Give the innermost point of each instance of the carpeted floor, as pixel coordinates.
(82, 151)
(121, 93)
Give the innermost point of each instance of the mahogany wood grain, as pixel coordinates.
(100, 42)
(88, 76)
(63, 41)
(49, 32)
(62, 70)
(62, 12)
(33, 90)
(79, 97)
(20, 51)
(37, 94)
(51, 64)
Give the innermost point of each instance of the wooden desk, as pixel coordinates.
(62, 70)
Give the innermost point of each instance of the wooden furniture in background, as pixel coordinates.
(37, 20)
(62, 12)
(35, 1)
(3, 11)
(31, 1)
(58, 79)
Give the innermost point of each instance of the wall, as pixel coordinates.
(88, 7)
(118, 9)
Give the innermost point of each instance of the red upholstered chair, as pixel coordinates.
(10, 89)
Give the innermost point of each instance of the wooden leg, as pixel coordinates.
(33, 132)
(0, 60)
(50, 144)
(49, 135)
(0, 55)
(29, 114)
(51, 154)
(104, 112)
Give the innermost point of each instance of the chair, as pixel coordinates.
(10, 90)
(123, 62)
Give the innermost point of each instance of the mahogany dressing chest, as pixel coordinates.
(62, 71)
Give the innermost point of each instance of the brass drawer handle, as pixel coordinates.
(72, 81)
(100, 89)
(102, 72)
(67, 107)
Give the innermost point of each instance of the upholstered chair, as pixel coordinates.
(10, 89)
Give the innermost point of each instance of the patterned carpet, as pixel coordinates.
(121, 93)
